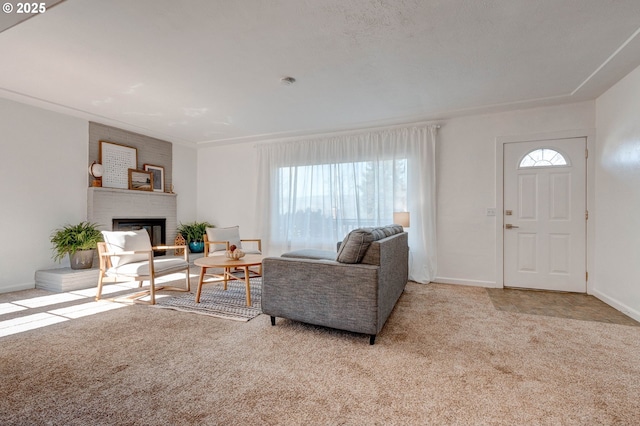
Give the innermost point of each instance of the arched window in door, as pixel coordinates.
(543, 157)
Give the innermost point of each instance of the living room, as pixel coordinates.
(44, 159)
(466, 185)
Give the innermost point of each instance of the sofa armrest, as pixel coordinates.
(322, 292)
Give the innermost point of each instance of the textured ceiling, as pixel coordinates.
(205, 71)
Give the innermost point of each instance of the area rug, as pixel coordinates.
(214, 301)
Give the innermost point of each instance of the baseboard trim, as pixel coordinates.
(457, 281)
(617, 304)
(17, 287)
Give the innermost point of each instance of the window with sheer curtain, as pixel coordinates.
(315, 191)
(320, 204)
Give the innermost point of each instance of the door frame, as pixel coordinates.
(589, 135)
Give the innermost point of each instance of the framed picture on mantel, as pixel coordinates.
(158, 176)
(116, 160)
(140, 180)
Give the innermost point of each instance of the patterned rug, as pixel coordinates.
(214, 301)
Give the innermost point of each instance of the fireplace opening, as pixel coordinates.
(157, 229)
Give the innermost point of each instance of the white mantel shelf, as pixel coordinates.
(129, 191)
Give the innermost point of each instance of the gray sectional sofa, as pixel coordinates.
(354, 289)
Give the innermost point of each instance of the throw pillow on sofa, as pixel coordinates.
(357, 242)
(355, 245)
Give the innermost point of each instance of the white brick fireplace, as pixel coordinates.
(106, 204)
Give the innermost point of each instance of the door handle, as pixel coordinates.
(510, 226)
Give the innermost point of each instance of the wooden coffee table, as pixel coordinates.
(227, 265)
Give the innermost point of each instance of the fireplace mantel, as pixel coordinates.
(106, 204)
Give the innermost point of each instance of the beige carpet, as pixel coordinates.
(446, 356)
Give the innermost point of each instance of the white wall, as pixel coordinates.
(43, 180)
(227, 187)
(617, 253)
(185, 177)
(467, 184)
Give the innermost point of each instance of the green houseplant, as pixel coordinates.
(194, 233)
(78, 241)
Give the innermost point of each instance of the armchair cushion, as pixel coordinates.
(119, 241)
(231, 234)
(161, 266)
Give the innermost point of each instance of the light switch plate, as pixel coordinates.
(491, 212)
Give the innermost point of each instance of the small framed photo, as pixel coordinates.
(158, 176)
(140, 180)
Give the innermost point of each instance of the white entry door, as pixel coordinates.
(545, 215)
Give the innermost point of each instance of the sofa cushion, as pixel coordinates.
(355, 245)
(231, 234)
(311, 254)
(119, 241)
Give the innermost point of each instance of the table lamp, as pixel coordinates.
(401, 218)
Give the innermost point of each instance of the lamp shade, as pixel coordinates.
(401, 218)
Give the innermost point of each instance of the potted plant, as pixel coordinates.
(193, 234)
(78, 241)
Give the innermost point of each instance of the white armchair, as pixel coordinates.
(128, 256)
(218, 240)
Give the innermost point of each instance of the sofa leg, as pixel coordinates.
(273, 320)
(372, 339)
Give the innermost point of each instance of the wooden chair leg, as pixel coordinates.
(152, 289)
(200, 281)
(227, 272)
(247, 285)
(99, 292)
(187, 279)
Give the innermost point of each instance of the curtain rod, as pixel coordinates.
(343, 132)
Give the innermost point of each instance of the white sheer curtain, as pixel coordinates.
(313, 192)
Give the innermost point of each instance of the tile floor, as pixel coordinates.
(562, 305)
